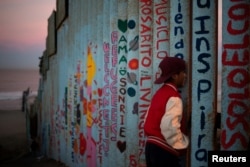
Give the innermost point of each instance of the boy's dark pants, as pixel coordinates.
(159, 157)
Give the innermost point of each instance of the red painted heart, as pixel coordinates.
(121, 146)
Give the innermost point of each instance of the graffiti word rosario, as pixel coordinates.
(236, 56)
(145, 64)
(145, 34)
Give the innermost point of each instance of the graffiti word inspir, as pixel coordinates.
(203, 73)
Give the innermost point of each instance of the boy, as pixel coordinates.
(165, 140)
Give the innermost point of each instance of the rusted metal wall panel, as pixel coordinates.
(235, 75)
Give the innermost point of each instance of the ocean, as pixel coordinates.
(12, 85)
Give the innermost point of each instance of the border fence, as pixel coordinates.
(101, 60)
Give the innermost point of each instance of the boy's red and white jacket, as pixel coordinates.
(163, 120)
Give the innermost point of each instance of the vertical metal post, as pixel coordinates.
(113, 61)
(204, 79)
(61, 56)
(99, 76)
(122, 81)
(83, 55)
(145, 71)
(132, 84)
(235, 75)
(161, 35)
(180, 46)
(106, 83)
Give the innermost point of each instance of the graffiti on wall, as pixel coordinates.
(122, 80)
(235, 62)
(100, 85)
(145, 69)
(203, 80)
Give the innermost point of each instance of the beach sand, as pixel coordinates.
(12, 134)
(14, 144)
(14, 147)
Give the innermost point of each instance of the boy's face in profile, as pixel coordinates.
(179, 79)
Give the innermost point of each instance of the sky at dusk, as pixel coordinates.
(23, 32)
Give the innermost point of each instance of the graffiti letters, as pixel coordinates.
(146, 34)
(122, 83)
(113, 87)
(204, 53)
(162, 29)
(106, 100)
(179, 31)
(235, 59)
(145, 70)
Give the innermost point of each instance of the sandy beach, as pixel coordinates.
(12, 134)
(14, 145)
